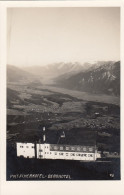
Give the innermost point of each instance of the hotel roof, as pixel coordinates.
(66, 137)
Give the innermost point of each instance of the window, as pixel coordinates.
(78, 149)
(84, 149)
(40, 150)
(55, 147)
(90, 149)
(72, 154)
(84, 155)
(77, 154)
(40, 156)
(21, 146)
(67, 148)
(27, 147)
(60, 153)
(73, 148)
(90, 155)
(55, 153)
(32, 146)
(61, 147)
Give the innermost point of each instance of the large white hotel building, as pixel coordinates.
(57, 151)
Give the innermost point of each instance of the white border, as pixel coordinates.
(53, 187)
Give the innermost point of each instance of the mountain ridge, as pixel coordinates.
(15, 74)
(100, 79)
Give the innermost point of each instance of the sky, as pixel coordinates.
(41, 36)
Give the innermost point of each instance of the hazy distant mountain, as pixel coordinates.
(56, 69)
(102, 77)
(15, 74)
(63, 69)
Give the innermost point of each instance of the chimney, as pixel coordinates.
(44, 135)
(44, 138)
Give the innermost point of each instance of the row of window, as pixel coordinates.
(27, 156)
(26, 146)
(46, 147)
(48, 152)
(71, 154)
(67, 148)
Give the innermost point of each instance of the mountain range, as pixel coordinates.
(56, 69)
(98, 77)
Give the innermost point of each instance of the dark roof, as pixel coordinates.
(72, 137)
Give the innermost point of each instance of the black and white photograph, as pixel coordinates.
(63, 93)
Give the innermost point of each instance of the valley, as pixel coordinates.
(93, 117)
(59, 109)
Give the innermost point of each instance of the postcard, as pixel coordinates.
(61, 124)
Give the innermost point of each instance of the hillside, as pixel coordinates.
(15, 74)
(100, 78)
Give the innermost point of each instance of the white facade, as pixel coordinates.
(55, 151)
(40, 151)
(98, 155)
(67, 155)
(27, 150)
